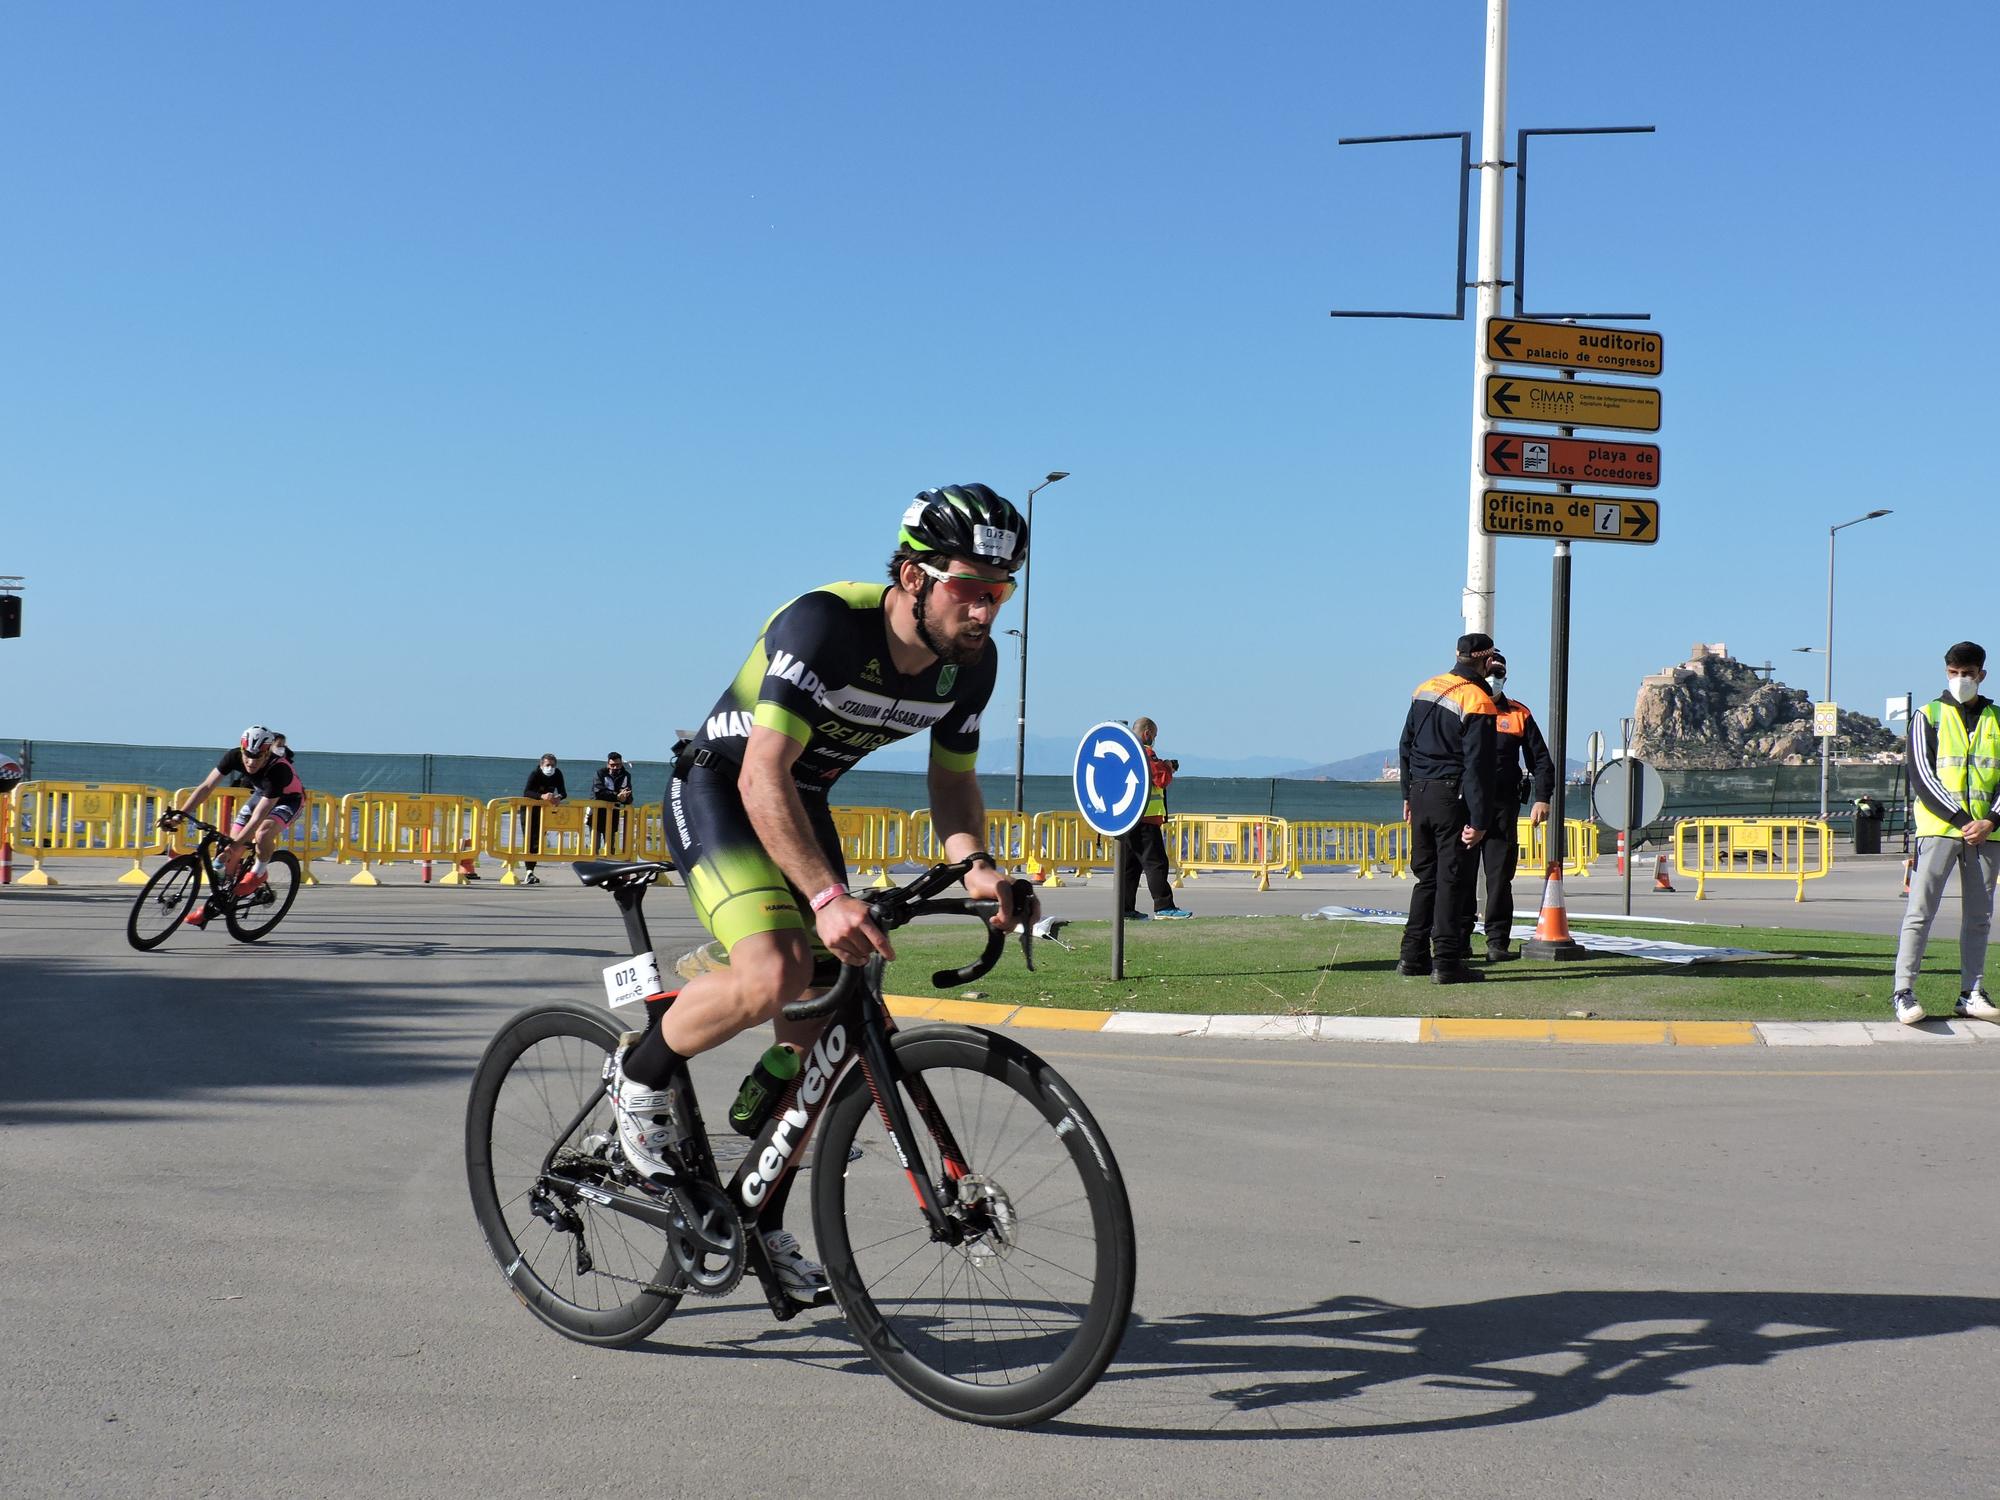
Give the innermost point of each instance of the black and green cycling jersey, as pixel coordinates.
(821, 673)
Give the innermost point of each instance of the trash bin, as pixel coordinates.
(1868, 815)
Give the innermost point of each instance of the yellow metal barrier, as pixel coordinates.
(1223, 841)
(1319, 844)
(527, 830)
(1580, 845)
(1007, 839)
(1794, 849)
(86, 820)
(313, 834)
(872, 839)
(405, 828)
(653, 834)
(1392, 848)
(1060, 841)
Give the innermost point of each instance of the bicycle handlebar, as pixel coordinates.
(188, 817)
(892, 908)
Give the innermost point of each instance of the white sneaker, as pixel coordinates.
(800, 1279)
(645, 1125)
(1907, 1009)
(1974, 1003)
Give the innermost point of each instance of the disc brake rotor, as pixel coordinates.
(989, 1210)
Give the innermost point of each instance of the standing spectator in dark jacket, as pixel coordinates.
(1446, 756)
(613, 784)
(1146, 844)
(1516, 738)
(545, 784)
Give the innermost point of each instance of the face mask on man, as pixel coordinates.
(1498, 683)
(548, 768)
(1962, 689)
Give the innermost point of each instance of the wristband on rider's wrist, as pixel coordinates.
(828, 896)
(983, 858)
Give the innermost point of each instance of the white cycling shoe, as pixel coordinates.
(646, 1130)
(798, 1278)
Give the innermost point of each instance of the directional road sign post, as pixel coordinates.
(1579, 518)
(1527, 455)
(1575, 346)
(1110, 781)
(1573, 403)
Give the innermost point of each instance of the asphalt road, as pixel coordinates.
(237, 1256)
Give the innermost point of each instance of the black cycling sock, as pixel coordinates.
(651, 1061)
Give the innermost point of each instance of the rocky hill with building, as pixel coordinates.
(1713, 712)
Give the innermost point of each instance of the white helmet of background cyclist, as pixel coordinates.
(256, 740)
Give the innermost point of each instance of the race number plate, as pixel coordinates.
(632, 980)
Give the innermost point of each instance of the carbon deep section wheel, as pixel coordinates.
(1018, 1321)
(164, 902)
(590, 1274)
(250, 919)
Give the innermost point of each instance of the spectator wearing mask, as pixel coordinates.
(1953, 760)
(545, 785)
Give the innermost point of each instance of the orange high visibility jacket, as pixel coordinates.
(1449, 736)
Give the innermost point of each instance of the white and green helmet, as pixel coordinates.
(966, 520)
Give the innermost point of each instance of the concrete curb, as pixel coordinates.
(1944, 1032)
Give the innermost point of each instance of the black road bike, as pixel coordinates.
(165, 900)
(968, 1209)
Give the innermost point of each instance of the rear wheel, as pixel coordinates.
(538, 1097)
(164, 902)
(253, 916)
(1017, 1320)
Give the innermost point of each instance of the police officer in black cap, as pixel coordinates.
(1448, 767)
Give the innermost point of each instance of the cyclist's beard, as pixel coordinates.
(957, 649)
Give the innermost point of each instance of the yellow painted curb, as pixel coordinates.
(1061, 1020)
(1626, 1032)
(1714, 1033)
(910, 1007)
(1470, 1029)
(972, 1012)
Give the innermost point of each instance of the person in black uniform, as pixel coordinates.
(1447, 759)
(545, 784)
(1517, 737)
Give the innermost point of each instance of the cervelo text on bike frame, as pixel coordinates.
(762, 1168)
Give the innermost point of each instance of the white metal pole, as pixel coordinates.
(1826, 743)
(1477, 606)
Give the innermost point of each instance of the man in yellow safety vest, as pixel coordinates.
(1954, 769)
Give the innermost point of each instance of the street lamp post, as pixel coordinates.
(1021, 700)
(1826, 743)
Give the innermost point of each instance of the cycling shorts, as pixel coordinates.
(737, 889)
(284, 811)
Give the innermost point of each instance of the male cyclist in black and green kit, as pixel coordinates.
(836, 673)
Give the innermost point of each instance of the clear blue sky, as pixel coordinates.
(507, 363)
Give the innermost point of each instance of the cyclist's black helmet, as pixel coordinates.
(967, 520)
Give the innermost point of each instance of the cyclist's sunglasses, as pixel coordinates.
(970, 589)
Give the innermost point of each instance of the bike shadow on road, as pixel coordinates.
(1356, 1366)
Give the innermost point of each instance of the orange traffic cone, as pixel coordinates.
(1552, 938)
(1663, 872)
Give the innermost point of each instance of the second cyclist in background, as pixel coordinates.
(277, 798)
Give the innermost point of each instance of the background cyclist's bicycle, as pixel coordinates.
(166, 900)
(970, 1214)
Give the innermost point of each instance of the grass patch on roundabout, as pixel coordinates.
(1289, 966)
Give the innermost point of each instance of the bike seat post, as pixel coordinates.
(630, 898)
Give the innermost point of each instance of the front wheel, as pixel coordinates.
(1019, 1318)
(537, 1129)
(164, 902)
(250, 917)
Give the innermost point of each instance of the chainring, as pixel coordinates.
(708, 1247)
